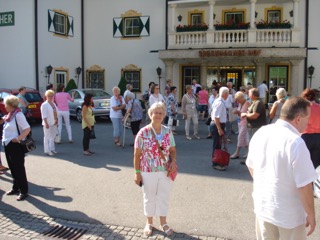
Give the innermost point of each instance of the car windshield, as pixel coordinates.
(33, 97)
(97, 93)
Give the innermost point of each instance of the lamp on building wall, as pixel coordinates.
(255, 14)
(310, 71)
(214, 16)
(49, 71)
(159, 70)
(78, 71)
(291, 13)
(179, 18)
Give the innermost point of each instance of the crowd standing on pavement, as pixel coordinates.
(154, 144)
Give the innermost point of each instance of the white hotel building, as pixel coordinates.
(108, 39)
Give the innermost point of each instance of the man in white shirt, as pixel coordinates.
(219, 119)
(282, 171)
(263, 89)
(195, 87)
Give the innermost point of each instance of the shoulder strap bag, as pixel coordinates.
(173, 174)
(28, 144)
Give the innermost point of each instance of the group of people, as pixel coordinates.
(282, 155)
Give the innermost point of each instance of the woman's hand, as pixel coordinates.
(173, 167)
(138, 179)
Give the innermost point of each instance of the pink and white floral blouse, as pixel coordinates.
(151, 160)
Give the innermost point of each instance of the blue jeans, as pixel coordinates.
(117, 127)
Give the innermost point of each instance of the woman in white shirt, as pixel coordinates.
(49, 114)
(117, 103)
(155, 95)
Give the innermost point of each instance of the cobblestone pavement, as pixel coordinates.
(21, 225)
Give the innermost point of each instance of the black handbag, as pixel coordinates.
(93, 134)
(28, 144)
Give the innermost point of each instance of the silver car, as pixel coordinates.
(101, 102)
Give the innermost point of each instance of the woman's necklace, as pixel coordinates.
(158, 137)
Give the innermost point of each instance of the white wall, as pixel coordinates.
(111, 53)
(59, 52)
(314, 41)
(17, 45)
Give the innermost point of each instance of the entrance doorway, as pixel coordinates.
(234, 76)
(189, 74)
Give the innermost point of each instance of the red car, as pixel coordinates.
(33, 97)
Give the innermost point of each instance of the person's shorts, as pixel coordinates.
(202, 108)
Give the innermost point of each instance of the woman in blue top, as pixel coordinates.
(134, 108)
(117, 103)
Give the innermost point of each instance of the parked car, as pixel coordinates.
(34, 98)
(101, 102)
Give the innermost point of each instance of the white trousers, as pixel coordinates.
(156, 189)
(65, 115)
(48, 139)
(269, 231)
(194, 118)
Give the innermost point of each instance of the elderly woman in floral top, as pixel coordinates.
(151, 171)
(172, 107)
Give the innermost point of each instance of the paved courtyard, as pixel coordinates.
(95, 196)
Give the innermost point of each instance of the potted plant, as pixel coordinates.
(231, 25)
(192, 28)
(273, 25)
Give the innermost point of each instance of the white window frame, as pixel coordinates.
(129, 27)
(233, 16)
(61, 77)
(196, 18)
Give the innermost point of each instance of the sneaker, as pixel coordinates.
(70, 141)
(50, 153)
(219, 168)
(87, 153)
(22, 197)
(189, 138)
(12, 192)
(196, 136)
(54, 152)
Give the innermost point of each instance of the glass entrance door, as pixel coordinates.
(189, 74)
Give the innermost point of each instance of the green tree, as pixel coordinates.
(71, 85)
(122, 85)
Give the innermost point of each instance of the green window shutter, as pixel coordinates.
(51, 25)
(144, 26)
(117, 27)
(70, 32)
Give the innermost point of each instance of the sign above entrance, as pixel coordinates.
(229, 53)
(6, 19)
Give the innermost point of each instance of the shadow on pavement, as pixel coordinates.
(32, 224)
(194, 157)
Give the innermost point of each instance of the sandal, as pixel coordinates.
(168, 231)
(117, 143)
(147, 231)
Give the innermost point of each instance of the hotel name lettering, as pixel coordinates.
(229, 53)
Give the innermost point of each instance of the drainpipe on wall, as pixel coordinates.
(166, 24)
(36, 43)
(82, 43)
(306, 46)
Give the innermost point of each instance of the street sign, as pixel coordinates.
(6, 19)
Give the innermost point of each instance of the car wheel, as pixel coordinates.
(79, 115)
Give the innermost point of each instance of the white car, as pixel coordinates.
(101, 102)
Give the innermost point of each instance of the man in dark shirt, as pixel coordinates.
(256, 115)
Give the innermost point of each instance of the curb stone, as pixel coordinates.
(22, 225)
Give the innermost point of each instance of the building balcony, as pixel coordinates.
(281, 37)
